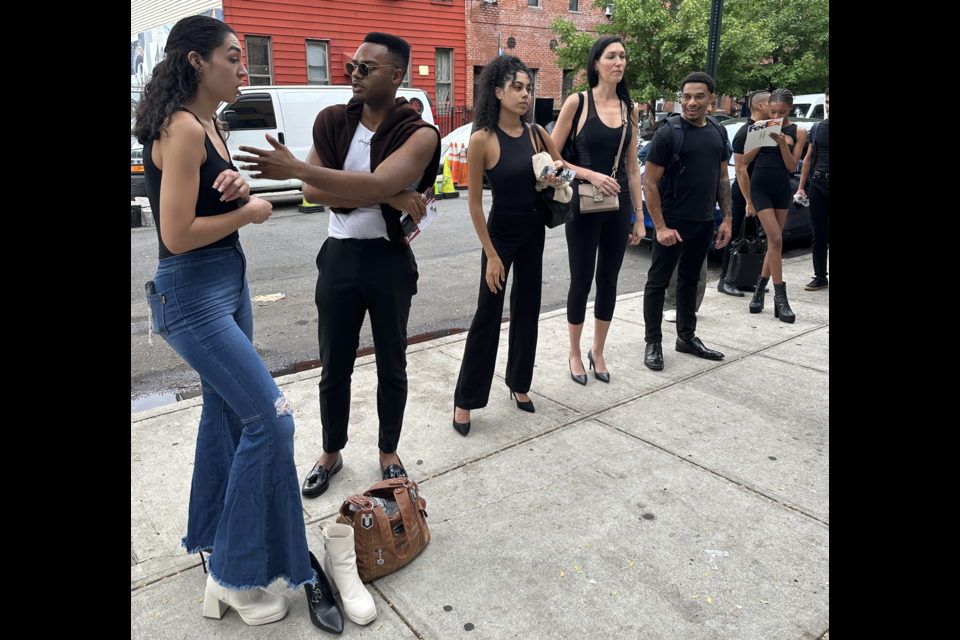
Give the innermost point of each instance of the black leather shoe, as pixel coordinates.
(325, 613)
(582, 379)
(781, 306)
(463, 428)
(729, 289)
(817, 283)
(318, 480)
(693, 346)
(394, 471)
(756, 303)
(653, 356)
(602, 377)
(523, 406)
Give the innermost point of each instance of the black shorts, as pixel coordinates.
(770, 188)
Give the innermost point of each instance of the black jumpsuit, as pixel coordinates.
(598, 240)
(516, 228)
(770, 182)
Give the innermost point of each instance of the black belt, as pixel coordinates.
(821, 174)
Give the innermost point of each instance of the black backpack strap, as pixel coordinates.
(576, 117)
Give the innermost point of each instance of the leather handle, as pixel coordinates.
(623, 136)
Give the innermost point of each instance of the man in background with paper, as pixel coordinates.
(371, 160)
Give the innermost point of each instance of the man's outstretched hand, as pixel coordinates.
(278, 164)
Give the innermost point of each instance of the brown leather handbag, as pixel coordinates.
(389, 526)
(593, 199)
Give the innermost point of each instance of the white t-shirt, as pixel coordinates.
(364, 222)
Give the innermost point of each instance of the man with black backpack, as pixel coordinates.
(684, 178)
(816, 168)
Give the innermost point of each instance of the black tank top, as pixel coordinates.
(512, 177)
(597, 144)
(208, 198)
(771, 157)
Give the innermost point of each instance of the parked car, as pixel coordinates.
(798, 225)
(287, 113)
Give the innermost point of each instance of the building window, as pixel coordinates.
(444, 78)
(533, 3)
(253, 111)
(568, 76)
(574, 5)
(318, 63)
(476, 83)
(258, 60)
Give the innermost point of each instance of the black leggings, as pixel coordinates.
(596, 240)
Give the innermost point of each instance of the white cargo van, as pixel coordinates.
(287, 113)
(810, 105)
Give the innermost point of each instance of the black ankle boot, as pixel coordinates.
(781, 307)
(756, 304)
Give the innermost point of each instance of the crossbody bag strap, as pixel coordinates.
(623, 136)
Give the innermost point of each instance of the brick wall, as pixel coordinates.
(530, 27)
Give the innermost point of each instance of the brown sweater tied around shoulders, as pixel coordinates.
(334, 129)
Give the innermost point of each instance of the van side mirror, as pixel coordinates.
(231, 119)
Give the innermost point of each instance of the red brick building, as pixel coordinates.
(308, 41)
(523, 28)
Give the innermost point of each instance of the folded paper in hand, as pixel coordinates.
(758, 133)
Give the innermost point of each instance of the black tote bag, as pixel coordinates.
(746, 259)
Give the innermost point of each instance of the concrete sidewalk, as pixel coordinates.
(688, 503)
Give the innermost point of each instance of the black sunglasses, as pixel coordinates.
(364, 67)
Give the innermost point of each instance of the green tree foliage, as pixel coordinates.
(783, 42)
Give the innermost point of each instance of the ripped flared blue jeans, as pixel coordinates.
(245, 496)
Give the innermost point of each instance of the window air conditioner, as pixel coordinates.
(609, 10)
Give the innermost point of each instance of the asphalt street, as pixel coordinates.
(281, 255)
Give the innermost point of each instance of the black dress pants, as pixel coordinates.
(357, 276)
(518, 241)
(739, 219)
(686, 257)
(819, 193)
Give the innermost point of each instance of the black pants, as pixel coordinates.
(739, 219)
(686, 257)
(356, 276)
(596, 240)
(518, 241)
(818, 190)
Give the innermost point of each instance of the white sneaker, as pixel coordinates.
(670, 315)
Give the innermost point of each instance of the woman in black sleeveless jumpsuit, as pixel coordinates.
(512, 236)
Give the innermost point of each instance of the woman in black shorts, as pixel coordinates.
(597, 241)
(771, 195)
(501, 147)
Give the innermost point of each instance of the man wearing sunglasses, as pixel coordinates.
(371, 160)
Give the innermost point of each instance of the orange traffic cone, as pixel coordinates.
(454, 163)
(462, 183)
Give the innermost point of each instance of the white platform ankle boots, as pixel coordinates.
(340, 566)
(255, 606)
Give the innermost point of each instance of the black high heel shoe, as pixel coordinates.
(523, 406)
(581, 379)
(324, 611)
(463, 428)
(602, 377)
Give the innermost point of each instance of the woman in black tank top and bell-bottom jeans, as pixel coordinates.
(596, 241)
(513, 236)
(245, 507)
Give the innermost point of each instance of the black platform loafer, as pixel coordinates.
(694, 347)
(318, 480)
(653, 356)
(393, 471)
(729, 289)
(325, 613)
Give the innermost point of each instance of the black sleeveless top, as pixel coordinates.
(512, 177)
(208, 198)
(771, 157)
(597, 145)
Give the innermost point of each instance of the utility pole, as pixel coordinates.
(713, 43)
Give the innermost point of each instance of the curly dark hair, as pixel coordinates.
(593, 78)
(174, 80)
(498, 73)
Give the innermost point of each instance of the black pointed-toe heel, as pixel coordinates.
(523, 406)
(463, 428)
(578, 379)
(325, 613)
(602, 377)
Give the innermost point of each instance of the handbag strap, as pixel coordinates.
(623, 136)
